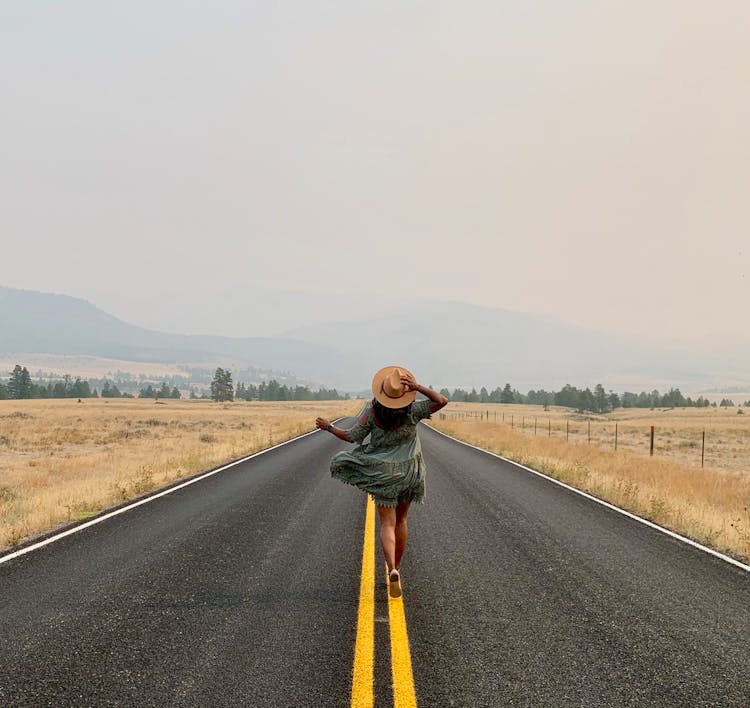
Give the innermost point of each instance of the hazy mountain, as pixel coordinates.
(457, 344)
(445, 343)
(59, 324)
(239, 309)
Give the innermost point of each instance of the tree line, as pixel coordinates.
(163, 392)
(222, 389)
(597, 401)
(274, 391)
(20, 385)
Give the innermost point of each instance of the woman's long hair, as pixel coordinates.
(390, 418)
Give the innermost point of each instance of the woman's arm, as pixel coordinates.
(324, 424)
(437, 400)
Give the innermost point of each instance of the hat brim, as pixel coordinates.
(380, 395)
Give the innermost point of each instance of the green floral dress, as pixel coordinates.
(390, 466)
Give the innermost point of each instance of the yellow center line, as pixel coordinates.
(403, 679)
(363, 694)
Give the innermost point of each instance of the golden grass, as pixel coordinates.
(63, 461)
(710, 505)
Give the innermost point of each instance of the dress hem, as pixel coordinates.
(389, 503)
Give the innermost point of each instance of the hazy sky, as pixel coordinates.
(585, 160)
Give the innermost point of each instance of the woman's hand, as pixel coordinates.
(409, 382)
(437, 400)
(322, 423)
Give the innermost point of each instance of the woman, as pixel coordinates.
(390, 466)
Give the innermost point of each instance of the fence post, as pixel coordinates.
(549, 432)
(534, 425)
(589, 432)
(511, 422)
(523, 422)
(567, 430)
(651, 450)
(703, 448)
(615, 436)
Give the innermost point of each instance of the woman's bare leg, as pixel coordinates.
(402, 531)
(387, 516)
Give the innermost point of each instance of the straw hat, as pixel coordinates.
(388, 389)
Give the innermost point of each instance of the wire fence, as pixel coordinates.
(691, 445)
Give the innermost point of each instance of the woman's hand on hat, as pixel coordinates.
(409, 382)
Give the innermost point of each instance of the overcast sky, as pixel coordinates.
(585, 160)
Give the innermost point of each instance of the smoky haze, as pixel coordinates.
(187, 166)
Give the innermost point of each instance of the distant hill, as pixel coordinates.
(464, 345)
(445, 343)
(59, 324)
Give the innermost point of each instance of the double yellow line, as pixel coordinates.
(363, 693)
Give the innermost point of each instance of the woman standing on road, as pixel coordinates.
(390, 466)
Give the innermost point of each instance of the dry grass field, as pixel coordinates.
(62, 461)
(710, 504)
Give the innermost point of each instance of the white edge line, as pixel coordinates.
(122, 510)
(629, 514)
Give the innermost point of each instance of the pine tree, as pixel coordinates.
(506, 396)
(19, 383)
(222, 388)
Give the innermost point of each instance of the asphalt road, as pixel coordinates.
(242, 589)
